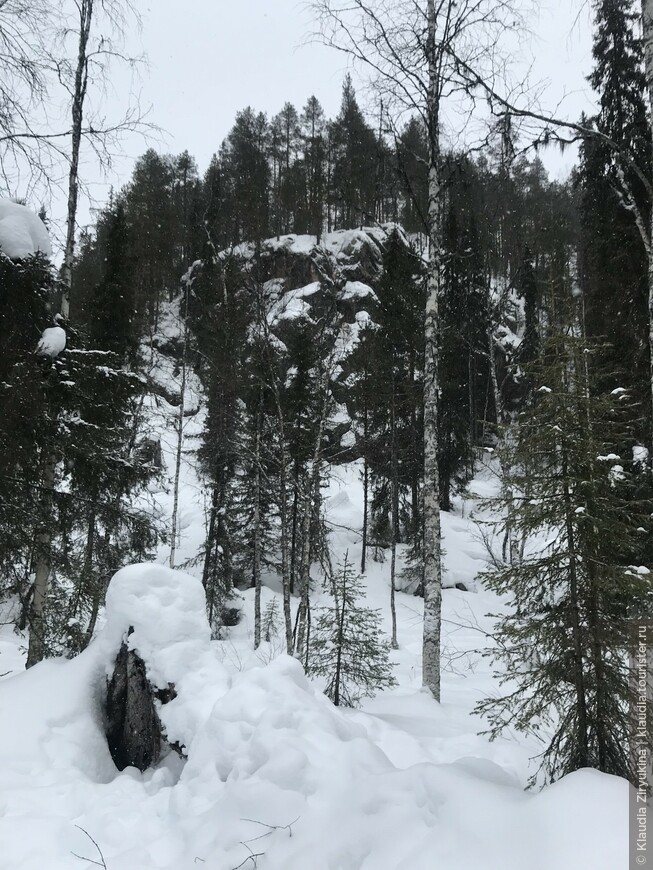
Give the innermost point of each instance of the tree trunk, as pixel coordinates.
(341, 635)
(256, 570)
(432, 532)
(311, 499)
(180, 438)
(85, 8)
(36, 648)
(366, 489)
(647, 28)
(43, 567)
(395, 513)
(366, 475)
(578, 676)
(283, 499)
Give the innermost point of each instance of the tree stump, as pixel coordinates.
(133, 727)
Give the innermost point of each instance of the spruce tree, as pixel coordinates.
(347, 647)
(313, 128)
(612, 259)
(26, 424)
(246, 171)
(354, 163)
(573, 493)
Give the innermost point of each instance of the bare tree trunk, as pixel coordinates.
(180, 437)
(366, 489)
(44, 537)
(305, 568)
(256, 570)
(85, 8)
(283, 491)
(432, 531)
(340, 616)
(311, 498)
(498, 405)
(647, 28)
(285, 571)
(366, 478)
(578, 676)
(36, 648)
(395, 514)
(98, 592)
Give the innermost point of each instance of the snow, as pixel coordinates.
(640, 455)
(22, 232)
(271, 766)
(358, 290)
(52, 342)
(292, 304)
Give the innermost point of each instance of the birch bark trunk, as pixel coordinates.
(44, 536)
(180, 437)
(647, 29)
(85, 8)
(311, 498)
(432, 532)
(256, 570)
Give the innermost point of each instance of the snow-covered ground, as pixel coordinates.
(276, 777)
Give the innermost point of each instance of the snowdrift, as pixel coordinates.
(274, 777)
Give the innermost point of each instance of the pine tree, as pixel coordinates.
(347, 647)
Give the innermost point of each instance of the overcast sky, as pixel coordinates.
(210, 58)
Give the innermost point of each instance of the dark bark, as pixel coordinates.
(133, 727)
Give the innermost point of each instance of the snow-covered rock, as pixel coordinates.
(22, 232)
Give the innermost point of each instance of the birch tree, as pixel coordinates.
(423, 55)
(647, 28)
(75, 79)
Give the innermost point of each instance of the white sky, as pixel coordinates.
(210, 58)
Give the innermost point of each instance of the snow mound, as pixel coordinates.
(273, 770)
(22, 233)
(167, 611)
(52, 342)
(358, 290)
